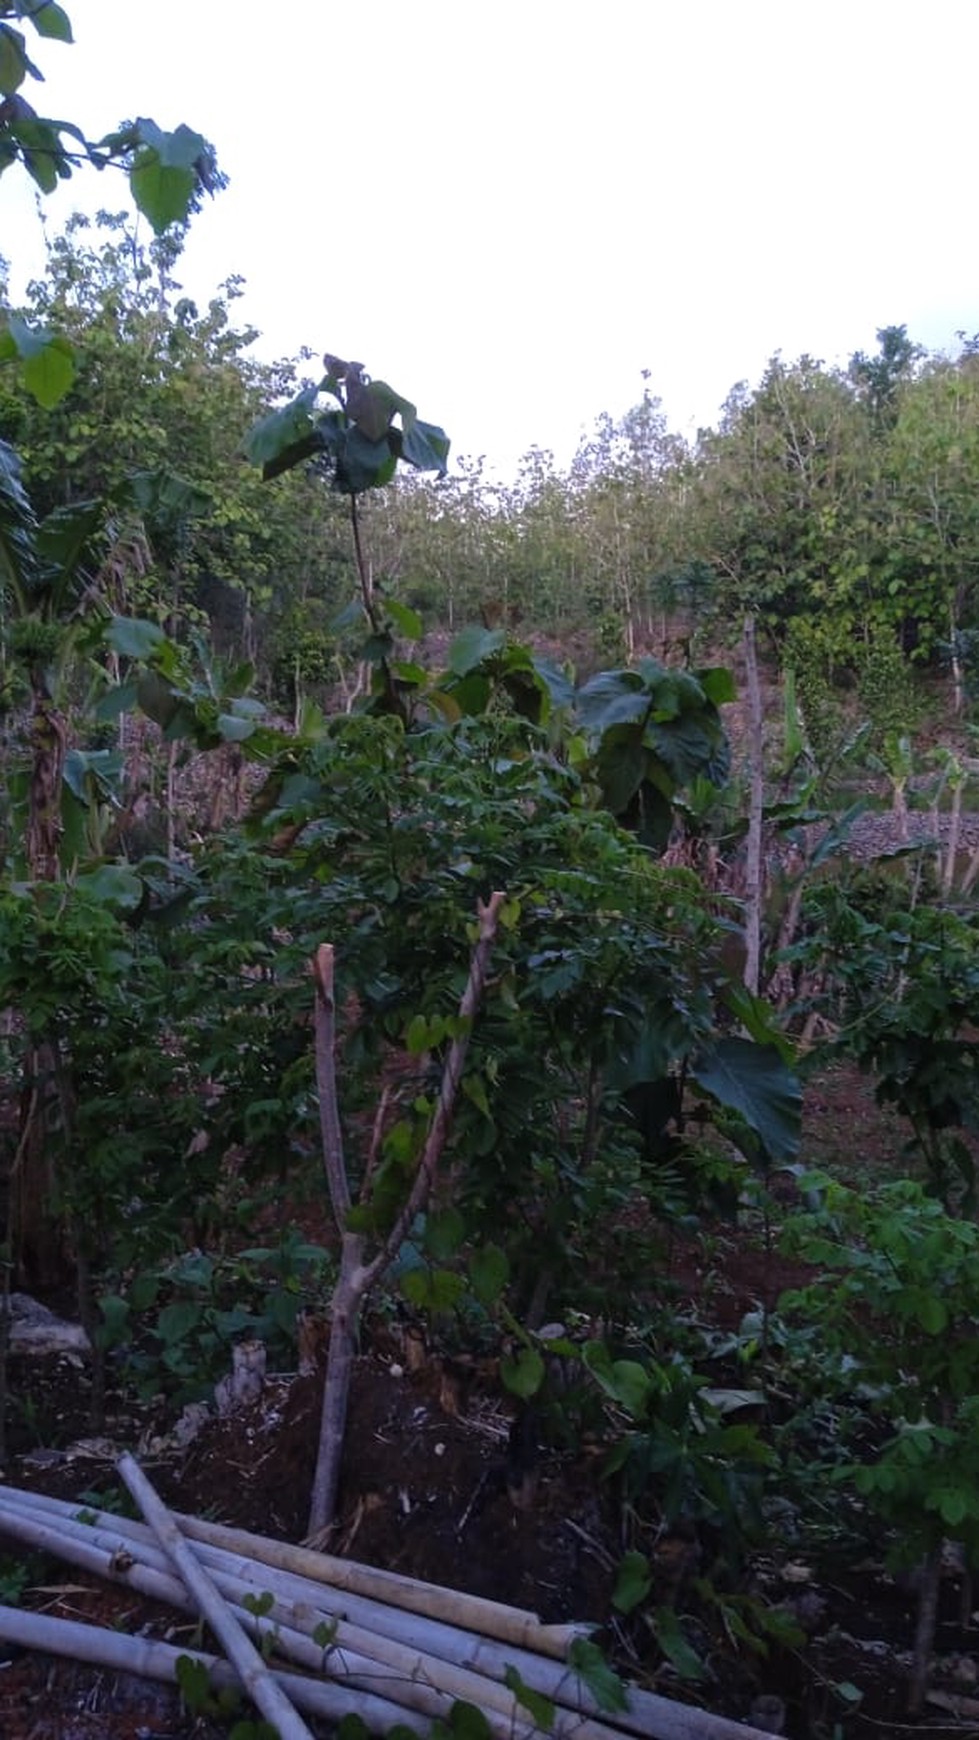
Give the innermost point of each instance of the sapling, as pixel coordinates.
(359, 1274)
(898, 1305)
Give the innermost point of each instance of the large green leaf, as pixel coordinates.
(51, 20)
(426, 447)
(406, 621)
(49, 373)
(372, 406)
(625, 1380)
(633, 1581)
(14, 63)
(164, 498)
(362, 464)
(275, 435)
(38, 145)
(612, 698)
(557, 682)
(113, 885)
(65, 542)
(472, 647)
(692, 742)
(755, 1081)
(650, 814)
(588, 1662)
(47, 358)
(133, 637)
(718, 684)
(234, 729)
(165, 173)
(620, 766)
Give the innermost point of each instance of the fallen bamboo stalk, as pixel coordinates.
(454, 1607)
(158, 1661)
(466, 1648)
(462, 1611)
(361, 1659)
(359, 1673)
(265, 1693)
(62, 1533)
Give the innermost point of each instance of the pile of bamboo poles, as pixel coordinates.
(370, 1642)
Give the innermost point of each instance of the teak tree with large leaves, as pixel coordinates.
(167, 173)
(356, 439)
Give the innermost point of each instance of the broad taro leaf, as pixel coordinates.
(650, 816)
(694, 742)
(363, 464)
(472, 647)
(755, 1081)
(612, 698)
(620, 766)
(373, 405)
(425, 446)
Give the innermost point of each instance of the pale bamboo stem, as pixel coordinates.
(158, 1661)
(457, 1611)
(357, 1652)
(262, 1689)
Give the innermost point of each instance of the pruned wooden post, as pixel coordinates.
(358, 1277)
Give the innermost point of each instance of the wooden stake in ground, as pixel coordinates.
(358, 1277)
(265, 1692)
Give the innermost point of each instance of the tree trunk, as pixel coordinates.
(344, 1324)
(36, 1239)
(49, 743)
(357, 1279)
(924, 1636)
(756, 809)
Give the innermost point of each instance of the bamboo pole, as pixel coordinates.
(461, 1643)
(361, 1658)
(365, 1662)
(137, 1560)
(262, 1689)
(158, 1661)
(462, 1611)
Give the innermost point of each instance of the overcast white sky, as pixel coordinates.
(510, 210)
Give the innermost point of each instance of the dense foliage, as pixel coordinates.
(193, 543)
